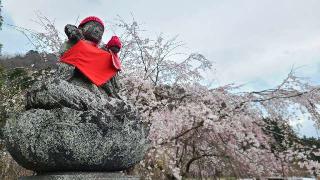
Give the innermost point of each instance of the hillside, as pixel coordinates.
(32, 59)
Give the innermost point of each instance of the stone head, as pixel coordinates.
(92, 29)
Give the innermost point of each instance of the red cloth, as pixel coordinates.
(96, 64)
(116, 61)
(114, 41)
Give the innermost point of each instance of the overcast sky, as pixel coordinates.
(250, 42)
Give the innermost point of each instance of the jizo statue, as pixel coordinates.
(99, 65)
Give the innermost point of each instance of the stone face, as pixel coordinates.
(74, 126)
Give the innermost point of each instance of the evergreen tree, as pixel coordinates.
(1, 20)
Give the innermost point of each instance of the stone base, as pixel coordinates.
(80, 176)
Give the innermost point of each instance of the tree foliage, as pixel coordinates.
(197, 131)
(1, 21)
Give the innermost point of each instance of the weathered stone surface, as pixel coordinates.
(80, 176)
(74, 126)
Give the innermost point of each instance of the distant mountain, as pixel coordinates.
(32, 59)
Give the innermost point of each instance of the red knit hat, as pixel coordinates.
(114, 41)
(91, 18)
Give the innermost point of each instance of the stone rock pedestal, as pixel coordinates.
(80, 176)
(75, 127)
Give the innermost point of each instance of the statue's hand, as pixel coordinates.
(114, 49)
(73, 33)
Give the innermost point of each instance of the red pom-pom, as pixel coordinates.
(114, 41)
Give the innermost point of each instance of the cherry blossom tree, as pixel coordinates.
(208, 132)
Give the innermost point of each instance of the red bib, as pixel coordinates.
(96, 64)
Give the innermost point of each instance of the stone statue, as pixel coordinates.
(91, 30)
(74, 125)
